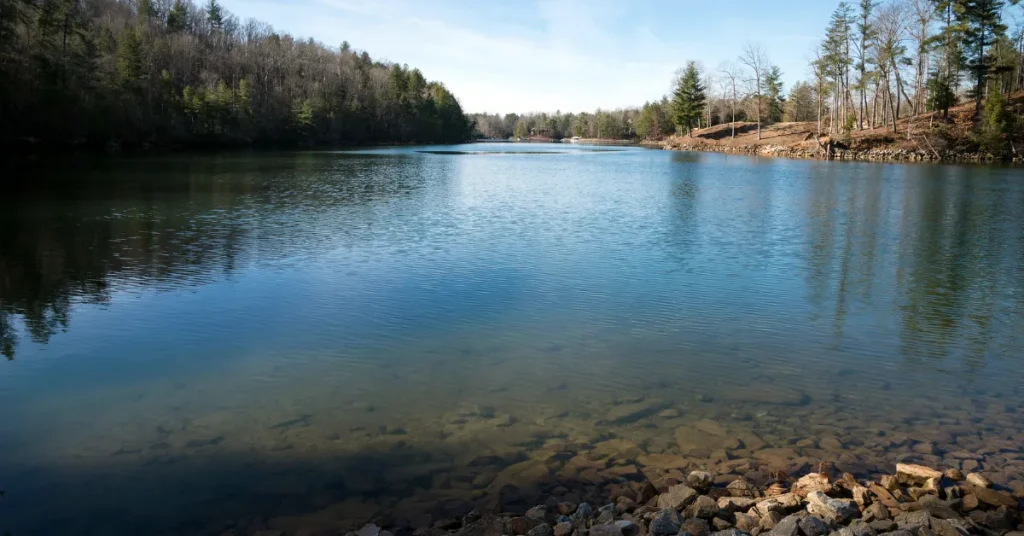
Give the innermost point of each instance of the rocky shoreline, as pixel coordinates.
(881, 154)
(915, 501)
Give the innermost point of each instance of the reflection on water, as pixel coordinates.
(194, 340)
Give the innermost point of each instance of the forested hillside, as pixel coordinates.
(107, 73)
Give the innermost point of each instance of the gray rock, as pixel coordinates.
(627, 528)
(664, 525)
(832, 511)
(563, 529)
(769, 520)
(583, 513)
(735, 504)
(517, 526)
(882, 525)
(899, 532)
(861, 528)
(704, 507)
(813, 526)
(789, 526)
(488, 526)
(696, 526)
(605, 517)
(369, 530)
(541, 530)
(914, 521)
(677, 497)
(941, 527)
(936, 507)
(720, 524)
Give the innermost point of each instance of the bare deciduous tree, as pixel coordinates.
(757, 62)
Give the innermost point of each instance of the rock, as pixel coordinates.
(605, 530)
(741, 488)
(769, 521)
(369, 530)
(647, 493)
(720, 524)
(627, 413)
(730, 532)
(567, 508)
(488, 526)
(944, 528)
(908, 472)
(517, 526)
(735, 504)
(898, 532)
(625, 504)
(861, 496)
(627, 528)
(883, 525)
(539, 513)
(563, 529)
(605, 517)
(861, 528)
(913, 521)
(788, 526)
(890, 482)
(700, 481)
(875, 511)
(813, 526)
(541, 530)
(704, 507)
(696, 527)
(833, 511)
(582, 514)
(745, 522)
(936, 507)
(954, 475)
(779, 503)
(969, 502)
(812, 482)
(711, 427)
(665, 524)
(979, 480)
(993, 497)
(679, 496)
(1001, 519)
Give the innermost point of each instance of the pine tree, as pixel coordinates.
(177, 17)
(982, 26)
(215, 15)
(866, 32)
(773, 92)
(994, 125)
(688, 99)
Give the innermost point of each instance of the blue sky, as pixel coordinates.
(545, 55)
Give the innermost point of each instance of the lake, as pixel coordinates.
(197, 343)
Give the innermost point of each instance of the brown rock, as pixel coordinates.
(711, 427)
(890, 482)
(969, 502)
(909, 472)
(861, 495)
(993, 497)
(696, 527)
(625, 504)
(704, 507)
(769, 520)
(954, 474)
(563, 529)
(885, 496)
(741, 488)
(812, 482)
(647, 493)
(736, 504)
(720, 524)
(745, 522)
(700, 480)
(979, 480)
(834, 511)
(518, 526)
(876, 511)
(970, 465)
(831, 444)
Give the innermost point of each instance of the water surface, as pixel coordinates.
(200, 340)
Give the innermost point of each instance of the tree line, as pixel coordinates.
(878, 64)
(171, 72)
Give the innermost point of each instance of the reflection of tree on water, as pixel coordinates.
(76, 236)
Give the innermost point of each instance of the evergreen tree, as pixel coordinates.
(215, 15)
(982, 26)
(688, 99)
(941, 95)
(773, 93)
(994, 125)
(177, 17)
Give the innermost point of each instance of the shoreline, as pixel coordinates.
(894, 155)
(914, 500)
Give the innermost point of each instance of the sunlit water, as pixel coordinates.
(197, 341)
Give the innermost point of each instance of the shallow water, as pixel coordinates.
(201, 340)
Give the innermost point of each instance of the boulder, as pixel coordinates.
(735, 504)
(666, 523)
(833, 511)
(700, 481)
(979, 480)
(788, 526)
(679, 496)
(909, 472)
(813, 526)
(627, 528)
(812, 482)
(704, 507)
(696, 526)
(993, 497)
(541, 530)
